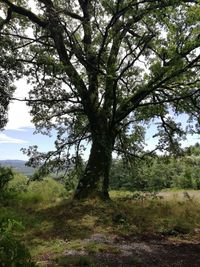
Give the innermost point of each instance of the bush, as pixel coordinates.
(46, 191)
(12, 252)
(18, 184)
(6, 174)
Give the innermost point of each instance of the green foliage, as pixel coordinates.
(18, 184)
(6, 174)
(73, 176)
(45, 191)
(25, 191)
(154, 174)
(12, 252)
(193, 150)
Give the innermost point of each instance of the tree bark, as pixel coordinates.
(95, 179)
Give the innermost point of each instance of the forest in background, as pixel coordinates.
(151, 173)
(159, 172)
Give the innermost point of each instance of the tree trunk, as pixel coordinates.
(95, 179)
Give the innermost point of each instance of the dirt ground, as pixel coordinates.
(138, 252)
(154, 252)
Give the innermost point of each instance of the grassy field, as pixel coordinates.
(54, 225)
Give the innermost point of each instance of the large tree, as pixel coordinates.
(101, 71)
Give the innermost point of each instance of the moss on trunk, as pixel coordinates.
(95, 179)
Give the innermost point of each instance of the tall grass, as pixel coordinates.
(167, 214)
(46, 191)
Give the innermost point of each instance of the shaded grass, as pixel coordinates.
(56, 227)
(78, 261)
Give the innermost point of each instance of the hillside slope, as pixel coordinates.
(18, 165)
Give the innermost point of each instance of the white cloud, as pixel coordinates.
(7, 139)
(191, 140)
(18, 114)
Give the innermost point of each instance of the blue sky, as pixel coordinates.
(19, 131)
(11, 141)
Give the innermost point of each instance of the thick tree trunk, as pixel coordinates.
(95, 180)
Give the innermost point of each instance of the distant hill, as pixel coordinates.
(18, 165)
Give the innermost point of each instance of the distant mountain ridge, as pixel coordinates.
(18, 165)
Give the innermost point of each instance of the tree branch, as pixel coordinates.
(27, 13)
(8, 18)
(158, 81)
(43, 100)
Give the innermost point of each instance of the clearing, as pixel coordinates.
(134, 229)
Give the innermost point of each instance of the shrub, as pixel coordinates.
(18, 184)
(12, 252)
(6, 174)
(46, 191)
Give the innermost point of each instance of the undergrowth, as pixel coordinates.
(54, 224)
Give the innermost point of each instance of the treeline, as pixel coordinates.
(148, 174)
(160, 172)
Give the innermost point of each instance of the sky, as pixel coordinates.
(19, 132)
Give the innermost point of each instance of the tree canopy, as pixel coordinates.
(101, 71)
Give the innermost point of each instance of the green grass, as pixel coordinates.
(54, 224)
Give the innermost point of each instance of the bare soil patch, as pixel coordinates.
(155, 252)
(134, 252)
